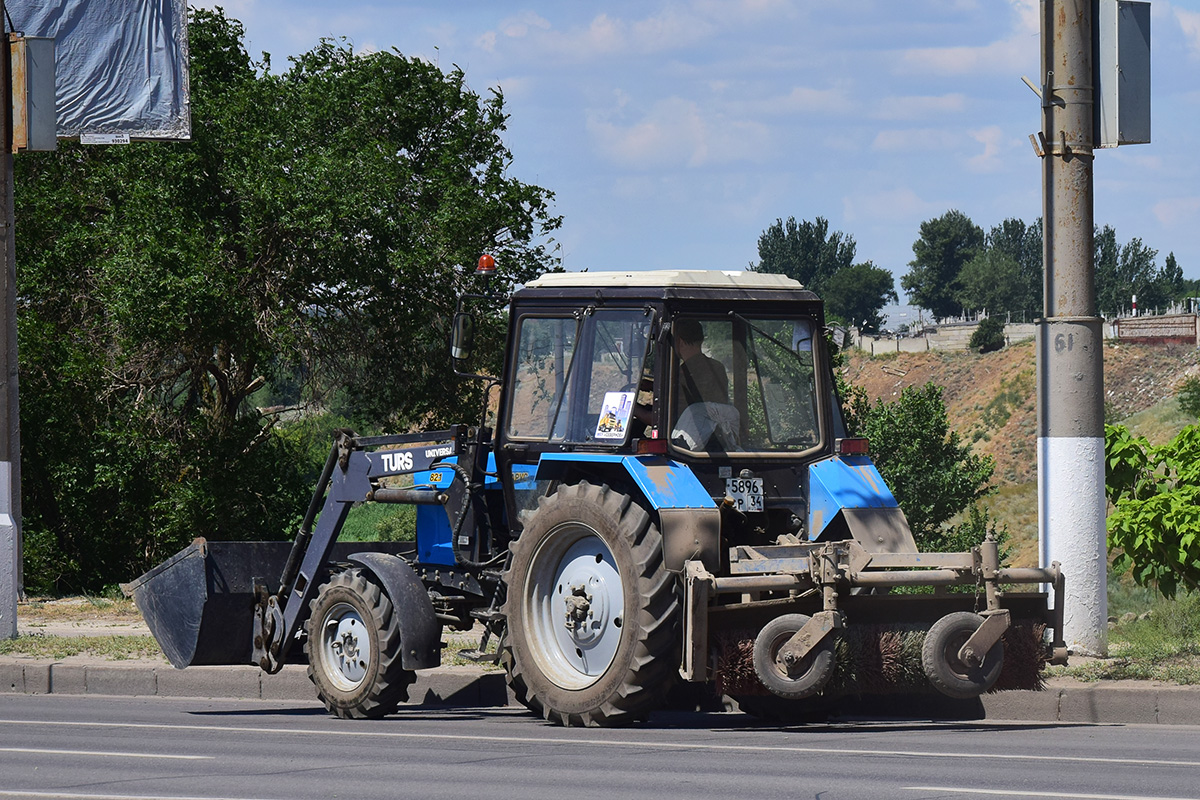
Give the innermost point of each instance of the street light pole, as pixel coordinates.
(1071, 501)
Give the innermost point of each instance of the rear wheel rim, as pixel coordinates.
(575, 603)
(346, 645)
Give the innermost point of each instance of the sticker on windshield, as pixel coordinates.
(614, 415)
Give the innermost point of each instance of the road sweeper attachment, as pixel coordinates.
(669, 492)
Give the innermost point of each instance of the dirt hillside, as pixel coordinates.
(990, 398)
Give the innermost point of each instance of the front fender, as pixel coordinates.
(420, 631)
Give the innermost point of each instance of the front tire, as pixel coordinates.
(354, 648)
(591, 610)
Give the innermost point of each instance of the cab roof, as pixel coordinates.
(664, 279)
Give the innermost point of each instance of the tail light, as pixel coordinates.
(853, 446)
(656, 447)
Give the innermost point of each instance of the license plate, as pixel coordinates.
(746, 493)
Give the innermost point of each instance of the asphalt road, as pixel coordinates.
(91, 747)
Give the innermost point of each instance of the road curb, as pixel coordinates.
(1064, 700)
(444, 686)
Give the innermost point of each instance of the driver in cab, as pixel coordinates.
(702, 379)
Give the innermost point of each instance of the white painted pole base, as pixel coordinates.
(9, 568)
(1071, 504)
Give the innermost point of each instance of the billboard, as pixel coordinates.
(121, 66)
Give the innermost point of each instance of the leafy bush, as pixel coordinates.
(1189, 396)
(933, 474)
(988, 335)
(1154, 528)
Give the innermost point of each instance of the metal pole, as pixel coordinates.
(1071, 506)
(10, 440)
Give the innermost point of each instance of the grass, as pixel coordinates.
(380, 522)
(1152, 638)
(1014, 506)
(1160, 423)
(109, 648)
(74, 608)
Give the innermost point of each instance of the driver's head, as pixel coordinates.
(689, 331)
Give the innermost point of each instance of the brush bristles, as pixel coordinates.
(879, 659)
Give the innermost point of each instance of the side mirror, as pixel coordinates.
(462, 337)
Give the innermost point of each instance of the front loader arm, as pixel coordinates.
(350, 476)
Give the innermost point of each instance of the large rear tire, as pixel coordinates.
(354, 648)
(592, 633)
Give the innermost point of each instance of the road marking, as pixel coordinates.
(98, 753)
(73, 796)
(1020, 793)
(593, 742)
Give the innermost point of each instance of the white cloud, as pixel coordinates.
(1013, 52)
(1029, 16)
(908, 108)
(516, 86)
(994, 143)
(605, 35)
(913, 140)
(1008, 55)
(1189, 23)
(803, 99)
(1177, 211)
(675, 133)
(899, 204)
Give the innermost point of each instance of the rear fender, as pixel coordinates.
(688, 517)
(848, 490)
(420, 631)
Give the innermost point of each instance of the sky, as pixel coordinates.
(674, 132)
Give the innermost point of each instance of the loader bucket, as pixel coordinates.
(199, 603)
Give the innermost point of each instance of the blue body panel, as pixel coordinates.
(435, 543)
(665, 483)
(843, 482)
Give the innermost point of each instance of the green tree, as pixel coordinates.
(1123, 271)
(856, 295)
(315, 229)
(1023, 243)
(988, 336)
(933, 474)
(1189, 288)
(946, 244)
(1007, 275)
(805, 251)
(1154, 528)
(1171, 276)
(824, 262)
(991, 282)
(1189, 396)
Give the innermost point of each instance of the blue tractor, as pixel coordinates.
(667, 494)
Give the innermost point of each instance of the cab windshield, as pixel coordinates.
(743, 384)
(576, 377)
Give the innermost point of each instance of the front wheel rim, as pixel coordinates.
(575, 606)
(346, 647)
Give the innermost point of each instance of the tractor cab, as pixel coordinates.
(726, 373)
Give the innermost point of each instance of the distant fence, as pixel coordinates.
(951, 336)
(1162, 329)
